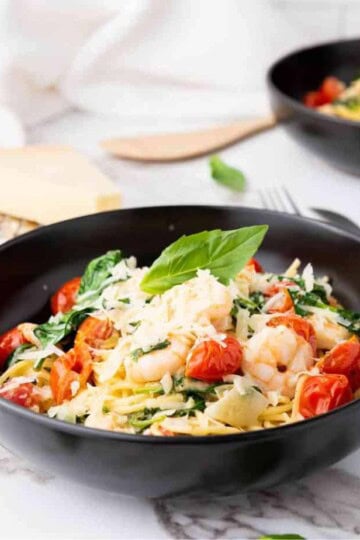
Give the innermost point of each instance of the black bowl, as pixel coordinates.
(334, 139)
(34, 265)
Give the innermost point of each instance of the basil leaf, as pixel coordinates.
(57, 328)
(98, 270)
(14, 356)
(225, 175)
(282, 537)
(224, 253)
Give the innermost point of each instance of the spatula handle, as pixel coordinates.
(178, 146)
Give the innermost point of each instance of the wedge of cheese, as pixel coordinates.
(51, 183)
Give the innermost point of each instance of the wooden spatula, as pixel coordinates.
(177, 146)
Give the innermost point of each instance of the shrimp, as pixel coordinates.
(328, 332)
(274, 357)
(154, 365)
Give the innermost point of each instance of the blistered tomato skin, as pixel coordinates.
(211, 360)
(344, 359)
(76, 365)
(323, 393)
(73, 367)
(65, 297)
(9, 341)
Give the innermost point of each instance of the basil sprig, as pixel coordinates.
(224, 253)
(289, 536)
(225, 175)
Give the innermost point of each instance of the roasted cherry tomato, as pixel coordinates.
(65, 297)
(96, 333)
(322, 393)
(344, 359)
(211, 360)
(24, 394)
(11, 340)
(69, 373)
(257, 266)
(329, 90)
(301, 326)
(313, 99)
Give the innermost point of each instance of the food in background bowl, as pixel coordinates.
(334, 98)
(205, 342)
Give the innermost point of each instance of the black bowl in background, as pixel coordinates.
(289, 79)
(34, 265)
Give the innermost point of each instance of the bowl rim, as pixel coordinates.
(298, 105)
(248, 436)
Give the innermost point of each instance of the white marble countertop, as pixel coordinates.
(34, 504)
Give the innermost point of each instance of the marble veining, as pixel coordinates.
(324, 506)
(12, 465)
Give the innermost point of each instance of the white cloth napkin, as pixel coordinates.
(149, 58)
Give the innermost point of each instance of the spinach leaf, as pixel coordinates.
(225, 175)
(224, 253)
(254, 304)
(59, 327)
(199, 404)
(98, 270)
(137, 353)
(193, 386)
(143, 419)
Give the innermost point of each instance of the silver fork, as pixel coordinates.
(278, 198)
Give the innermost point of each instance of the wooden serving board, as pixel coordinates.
(11, 227)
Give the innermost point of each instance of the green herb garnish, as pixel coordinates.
(225, 175)
(137, 353)
(254, 304)
(143, 419)
(224, 253)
